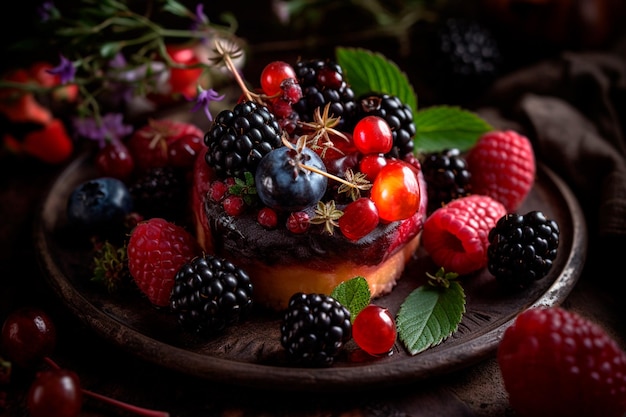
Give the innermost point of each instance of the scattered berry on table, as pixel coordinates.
(55, 392)
(159, 192)
(456, 236)
(522, 248)
(98, 204)
(28, 336)
(502, 164)
(374, 330)
(156, 249)
(557, 363)
(315, 329)
(210, 294)
(165, 142)
(398, 115)
(239, 138)
(447, 177)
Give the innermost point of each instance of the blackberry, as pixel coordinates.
(467, 56)
(447, 177)
(322, 83)
(522, 248)
(315, 329)
(210, 294)
(239, 138)
(158, 192)
(398, 115)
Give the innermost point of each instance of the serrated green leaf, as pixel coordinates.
(353, 294)
(429, 315)
(368, 71)
(441, 127)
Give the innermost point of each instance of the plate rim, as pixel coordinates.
(295, 378)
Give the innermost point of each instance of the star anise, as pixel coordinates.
(355, 183)
(327, 214)
(323, 125)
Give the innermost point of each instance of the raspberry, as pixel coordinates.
(556, 363)
(447, 177)
(322, 83)
(210, 294)
(502, 164)
(156, 250)
(315, 329)
(456, 235)
(398, 115)
(522, 248)
(238, 139)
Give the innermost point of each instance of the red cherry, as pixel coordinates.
(267, 218)
(374, 330)
(55, 393)
(182, 152)
(359, 218)
(28, 336)
(274, 74)
(396, 191)
(372, 134)
(114, 160)
(371, 164)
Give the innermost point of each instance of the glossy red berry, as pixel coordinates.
(217, 190)
(234, 205)
(267, 218)
(182, 152)
(28, 336)
(55, 393)
(371, 164)
(374, 330)
(359, 218)
(114, 160)
(298, 222)
(372, 134)
(274, 74)
(396, 191)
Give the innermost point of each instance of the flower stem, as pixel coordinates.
(140, 411)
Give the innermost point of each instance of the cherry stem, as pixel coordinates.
(328, 175)
(140, 411)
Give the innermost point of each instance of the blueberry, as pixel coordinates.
(99, 203)
(283, 184)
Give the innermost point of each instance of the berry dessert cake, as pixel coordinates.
(305, 186)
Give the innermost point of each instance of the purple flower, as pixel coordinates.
(111, 128)
(204, 99)
(201, 19)
(46, 10)
(65, 70)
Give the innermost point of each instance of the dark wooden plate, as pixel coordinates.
(250, 353)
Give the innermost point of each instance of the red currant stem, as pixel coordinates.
(140, 411)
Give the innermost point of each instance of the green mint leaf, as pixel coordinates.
(441, 127)
(429, 315)
(353, 294)
(371, 72)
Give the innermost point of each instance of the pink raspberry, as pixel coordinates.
(502, 164)
(456, 236)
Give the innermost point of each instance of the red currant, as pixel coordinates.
(28, 336)
(234, 205)
(274, 74)
(217, 190)
(396, 191)
(55, 393)
(371, 164)
(372, 134)
(359, 218)
(374, 330)
(292, 91)
(298, 222)
(267, 218)
(114, 160)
